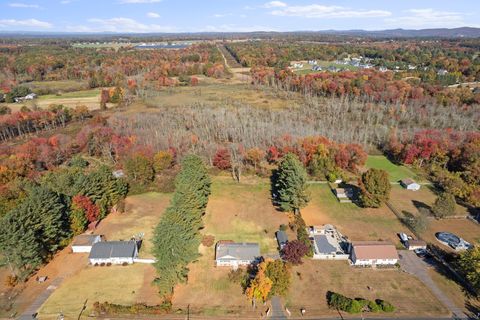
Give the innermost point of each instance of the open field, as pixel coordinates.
(142, 213)
(313, 279)
(464, 228)
(89, 98)
(307, 69)
(239, 212)
(396, 172)
(354, 222)
(220, 94)
(116, 284)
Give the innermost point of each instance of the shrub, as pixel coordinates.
(374, 307)
(208, 240)
(385, 306)
(107, 308)
(124, 264)
(102, 264)
(109, 264)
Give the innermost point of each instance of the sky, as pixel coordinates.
(143, 16)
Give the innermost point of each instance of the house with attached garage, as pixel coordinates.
(113, 252)
(84, 242)
(231, 254)
(373, 254)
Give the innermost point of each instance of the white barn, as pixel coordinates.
(373, 253)
(231, 254)
(409, 184)
(83, 243)
(114, 252)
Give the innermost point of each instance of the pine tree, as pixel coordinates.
(444, 205)
(375, 188)
(291, 184)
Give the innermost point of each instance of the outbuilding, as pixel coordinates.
(282, 239)
(83, 243)
(409, 184)
(416, 244)
(114, 252)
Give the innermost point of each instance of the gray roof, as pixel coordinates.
(85, 239)
(324, 247)
(237, 251)
(281, 237)
(113, 249)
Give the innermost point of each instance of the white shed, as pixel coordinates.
(84, 242)
(409, 184)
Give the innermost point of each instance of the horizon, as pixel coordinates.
(166, 16)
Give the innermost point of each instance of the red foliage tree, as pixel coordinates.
(90, 209)
(294, 251)
(222, 159)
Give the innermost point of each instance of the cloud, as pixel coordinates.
(153, 15)
(23, 5)
(275, 4)
(30, 23)
(221, 15)
(428, 18)
(140, 1)
(122, 25)
(236, 28)
(66, 1)
(322, 11)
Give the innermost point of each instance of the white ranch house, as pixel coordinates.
(83, 243)
(114, 252)
(373, 253)
(234, 255)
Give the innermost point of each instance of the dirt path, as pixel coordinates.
(414, 265)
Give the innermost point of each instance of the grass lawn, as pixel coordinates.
(142, 213)
(354, 222)
(72, 95)
(238, 212)
(313, 279)
(307, 69)
(116, 284)
(396, 172)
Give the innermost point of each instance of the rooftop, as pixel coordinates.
(237, 251)
(366, 250)
(113, 249)
(281, 236)
(85, 239)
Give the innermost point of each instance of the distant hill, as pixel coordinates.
(464, 32)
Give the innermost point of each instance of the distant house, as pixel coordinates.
(442, 72)
(282, 239)
(84, 242)
(409, 184)
(373, 253)
(118, 174)
(29, 96)
(114, 252)
(236, 254)
(415, 244)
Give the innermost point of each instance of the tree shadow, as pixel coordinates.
(473, 311)
(354, 189)
(422, 207)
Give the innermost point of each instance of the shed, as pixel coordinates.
(282, 238)
(114, 252)
(416, 244)
(84, 242)
(409, 184)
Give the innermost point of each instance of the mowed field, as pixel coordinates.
(116, 284)
(396, 172)
(238, 212)
(354, 222)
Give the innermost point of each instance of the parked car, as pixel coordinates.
(422, 253)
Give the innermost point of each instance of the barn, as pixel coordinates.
(83, 243)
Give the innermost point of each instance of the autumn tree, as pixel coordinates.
(294, 251)
(279, 273)
(259, 288)
(469, 263)
(139, 168)
(444, 205)
(162, 160)
(375, 188)
(291, 184)
(254, 156)
(104, 99)
(222, 159)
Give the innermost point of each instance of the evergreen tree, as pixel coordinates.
(176, 237)
(444, 205)
(375, 188)
(291, 184)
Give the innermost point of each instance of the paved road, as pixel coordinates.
(416, 266)
(277, 309)
(35, 306)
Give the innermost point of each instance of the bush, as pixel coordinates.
(109, 264)
(124, 264)
(283, 227)
(102, 264)
(385, 306)
(107, 308)
(374, 307)
(208, 240)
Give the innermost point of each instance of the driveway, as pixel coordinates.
(414, 265)
(41, 298)
(277, 309)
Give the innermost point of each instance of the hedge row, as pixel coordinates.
(357, 305)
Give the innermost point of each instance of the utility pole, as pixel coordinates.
(83, 309)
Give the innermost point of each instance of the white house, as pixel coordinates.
(114, 252)
(409, 184)
(231, 254)
(84, 242)
(373, 253)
